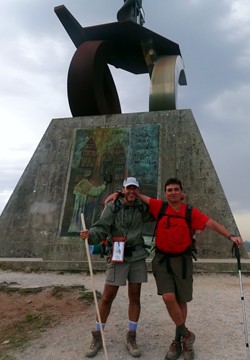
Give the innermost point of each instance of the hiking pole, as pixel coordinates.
(93, 288)
(237, 255)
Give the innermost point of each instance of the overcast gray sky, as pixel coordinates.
(214, 38)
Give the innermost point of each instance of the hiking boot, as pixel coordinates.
(187, 346)
(174, 351)
(131, 344)
(96, 344)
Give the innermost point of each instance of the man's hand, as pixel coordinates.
(236, 240)
(84, 234)
(111, 197)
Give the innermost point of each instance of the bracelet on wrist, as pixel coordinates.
(229, 237)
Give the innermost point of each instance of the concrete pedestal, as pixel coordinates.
(37, 221)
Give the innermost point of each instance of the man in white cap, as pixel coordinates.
(122, 222)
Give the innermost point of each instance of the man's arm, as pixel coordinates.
(112, 197)
(224, 232)
(101, 228)
(145, 199)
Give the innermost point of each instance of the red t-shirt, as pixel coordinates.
(173, 234)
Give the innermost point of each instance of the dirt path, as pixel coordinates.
(215, 315)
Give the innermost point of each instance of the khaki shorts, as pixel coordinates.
(118, 273)
(173, 282)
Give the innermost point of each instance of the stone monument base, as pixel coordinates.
(37, 220)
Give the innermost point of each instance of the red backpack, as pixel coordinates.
(188, 215)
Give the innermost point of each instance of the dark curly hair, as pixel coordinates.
(171, 181)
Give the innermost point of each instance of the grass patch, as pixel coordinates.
(20, 332)
(22, 291)
(6, 357)
(30, 318)
(88, 296)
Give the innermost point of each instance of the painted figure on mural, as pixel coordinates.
(87, 187)
(84, 189)
(101, 159)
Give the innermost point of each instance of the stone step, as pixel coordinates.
(38, 264)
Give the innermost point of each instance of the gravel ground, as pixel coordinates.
(215, 316)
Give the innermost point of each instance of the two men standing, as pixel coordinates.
(171, 265)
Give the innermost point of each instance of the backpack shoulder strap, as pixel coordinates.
(161, 213)
(117, 206)
(106, 243)
(188, 215)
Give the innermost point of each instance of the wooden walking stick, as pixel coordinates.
(93, 288)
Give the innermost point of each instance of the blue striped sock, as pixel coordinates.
(98, 327)
(132, 326)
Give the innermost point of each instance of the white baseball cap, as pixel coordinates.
(131, 181)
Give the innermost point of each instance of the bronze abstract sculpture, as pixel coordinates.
(124, 44)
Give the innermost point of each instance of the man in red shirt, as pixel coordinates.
(172, 264)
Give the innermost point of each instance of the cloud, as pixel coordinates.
(242, 220)
(227, 137)
(236, 24)
(231, 107)
(4, 197)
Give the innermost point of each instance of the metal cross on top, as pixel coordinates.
(127, 45)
